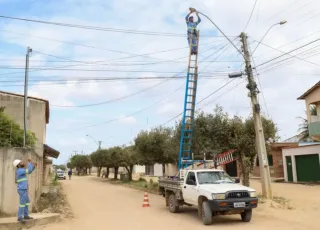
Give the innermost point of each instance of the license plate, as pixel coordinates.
(239, 205)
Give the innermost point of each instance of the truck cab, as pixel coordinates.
(213, 191)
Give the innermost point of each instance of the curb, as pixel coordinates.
(39, 220)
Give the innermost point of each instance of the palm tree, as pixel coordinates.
(303, 129)
(304, 126)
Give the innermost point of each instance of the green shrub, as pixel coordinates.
(151, 182)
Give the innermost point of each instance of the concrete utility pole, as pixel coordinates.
(99, 145)
(260, 141)
(25, 110)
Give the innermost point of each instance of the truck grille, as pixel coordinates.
(237, 195)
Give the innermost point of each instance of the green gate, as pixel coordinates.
(308, 167)
(289, 168)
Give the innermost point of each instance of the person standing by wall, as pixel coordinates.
(21, 174)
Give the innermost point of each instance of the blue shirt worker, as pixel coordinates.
(192, 32)
(21, 174)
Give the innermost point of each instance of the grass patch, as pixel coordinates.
(140, 184)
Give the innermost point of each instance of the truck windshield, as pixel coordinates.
(214, 178)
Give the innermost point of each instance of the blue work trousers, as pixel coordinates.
(193, 39)
(24, 203)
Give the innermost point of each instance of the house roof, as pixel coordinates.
(34, 98)
(51, 152)
(284, 145)
(303, 96)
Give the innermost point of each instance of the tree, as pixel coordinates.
(243, 139)
(99, 159)
(69, 165)
(81, 162)
(62, 167)
(153, 146)
(130, 159)
(11, 135)
(116, 157)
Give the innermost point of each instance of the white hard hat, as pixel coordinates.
(16, 162)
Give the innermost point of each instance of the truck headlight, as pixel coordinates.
(253, 194)
(219, 196)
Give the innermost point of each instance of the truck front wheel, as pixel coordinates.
(246, 216)
(206, 213)
(173, 207)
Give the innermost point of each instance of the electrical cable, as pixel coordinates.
(203, 99)
(99, 28)
(254, 6)
(286, 53)
(10, 73)
(293, 56)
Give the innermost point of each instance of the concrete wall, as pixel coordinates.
(9, 199)
(157, 170)
(171, 170)
(36, 116)
(303, 150)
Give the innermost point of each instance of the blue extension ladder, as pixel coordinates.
(185, 152)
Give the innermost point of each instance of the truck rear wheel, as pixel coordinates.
(206, 213)
(173, 207)
(246, 216)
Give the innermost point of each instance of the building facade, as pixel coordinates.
(312, 101)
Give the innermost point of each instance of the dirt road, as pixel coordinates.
(100, 205)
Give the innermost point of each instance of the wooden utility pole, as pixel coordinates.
(25, 109)
(260, 141)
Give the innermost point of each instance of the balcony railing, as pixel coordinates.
(314, 128)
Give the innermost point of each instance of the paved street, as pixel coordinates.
(100, 205)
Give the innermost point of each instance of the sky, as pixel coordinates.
(69, 66)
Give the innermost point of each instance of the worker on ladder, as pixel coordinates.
(192, 31)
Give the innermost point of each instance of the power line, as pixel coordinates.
(254, 6)
(89, 46)
(293, 56)
(138, 55)
(137, 112)
(286, 53)
(203, 99)
(100, 28)
(260, 86)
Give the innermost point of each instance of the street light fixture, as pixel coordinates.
(98, 142)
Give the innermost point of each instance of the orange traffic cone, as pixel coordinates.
(145, 200)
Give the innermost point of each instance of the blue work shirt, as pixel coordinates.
(22, 176)
(192, 26)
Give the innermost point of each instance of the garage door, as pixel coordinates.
(308, 168)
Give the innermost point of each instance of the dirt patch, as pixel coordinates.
(277, 202)
(55, 202)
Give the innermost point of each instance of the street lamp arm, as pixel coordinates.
(221, 32)
(92, 139)
(279, 23)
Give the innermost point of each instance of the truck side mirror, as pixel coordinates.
(237, 180)
(191, 182)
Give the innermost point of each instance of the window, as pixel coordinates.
(191, 176)
(214, 177)
(270, 160)
(149, 170)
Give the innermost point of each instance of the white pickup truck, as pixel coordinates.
(213, 191)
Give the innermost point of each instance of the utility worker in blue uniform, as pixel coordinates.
(192, 31)
(21, 174)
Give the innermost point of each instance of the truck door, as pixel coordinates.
(190, 189)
